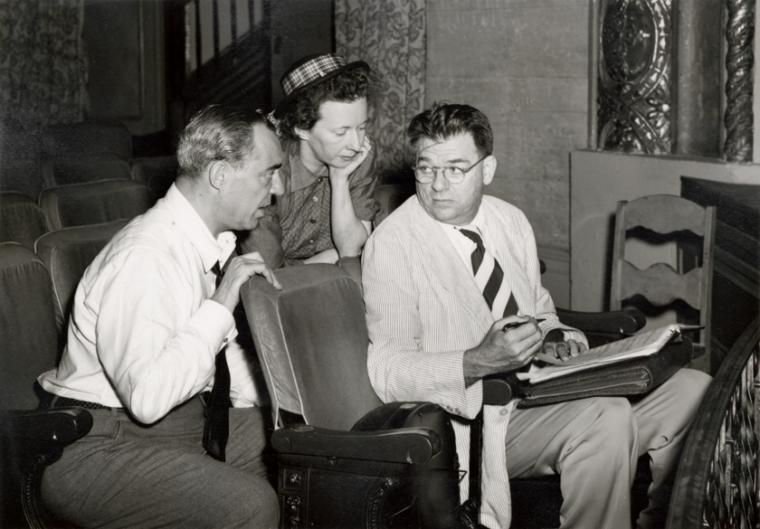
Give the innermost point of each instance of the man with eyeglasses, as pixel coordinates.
(453, 293)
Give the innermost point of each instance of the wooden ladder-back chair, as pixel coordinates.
(717, 484)
(673, 226)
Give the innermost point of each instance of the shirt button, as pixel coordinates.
(313, 221)
(315, 199)
(504, 411)
(311, 241)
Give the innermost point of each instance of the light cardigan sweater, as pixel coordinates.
(424, 309)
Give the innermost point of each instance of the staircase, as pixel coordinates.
(218, 51)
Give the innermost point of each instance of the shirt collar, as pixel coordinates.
(187, 220)
(300, 176)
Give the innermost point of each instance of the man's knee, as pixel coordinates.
(606, 428)
(255, 507)
(690, 385)
(614, 419)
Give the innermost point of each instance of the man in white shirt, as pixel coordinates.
(146, 327)
(442, 275)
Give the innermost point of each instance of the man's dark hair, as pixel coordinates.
(444, 120)
(303, 110)
(216, 132)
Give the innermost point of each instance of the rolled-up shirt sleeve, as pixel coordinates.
(156, 344)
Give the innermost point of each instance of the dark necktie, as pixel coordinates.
(489, 276)
(216, 430)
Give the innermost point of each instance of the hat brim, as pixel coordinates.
(289, 99)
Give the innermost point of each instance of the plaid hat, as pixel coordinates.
(312, 70)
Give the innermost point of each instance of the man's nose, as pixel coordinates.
(277, 187)
(439, 181)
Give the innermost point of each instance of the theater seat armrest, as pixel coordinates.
(619, 322)
(59, 426)
(402, 445)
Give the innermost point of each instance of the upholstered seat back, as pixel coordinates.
(311, 339)
(87, 138)
(94, 202)
(66, 171)
(28, 334)
(21, 219)
(67, 253)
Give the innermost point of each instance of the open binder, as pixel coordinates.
(629, 367)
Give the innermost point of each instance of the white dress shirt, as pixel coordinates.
(143, 332)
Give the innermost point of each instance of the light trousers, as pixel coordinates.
(123, 475)
(594, 445)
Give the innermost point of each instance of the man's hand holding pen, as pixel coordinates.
(509, 344)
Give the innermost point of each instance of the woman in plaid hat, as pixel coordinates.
(327, 209)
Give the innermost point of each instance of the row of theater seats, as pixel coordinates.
(75, 153)
(36, 290)
(24, 220)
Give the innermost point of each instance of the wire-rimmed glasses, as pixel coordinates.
(425, 173)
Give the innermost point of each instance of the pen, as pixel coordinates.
(514, 324)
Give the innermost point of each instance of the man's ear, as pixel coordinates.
(217, 173)
(489, 169)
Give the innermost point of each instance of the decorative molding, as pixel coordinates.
(738, 117)
(635, 99)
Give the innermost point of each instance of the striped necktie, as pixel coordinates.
(489, 277)
(216, 429)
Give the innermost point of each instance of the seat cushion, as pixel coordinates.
(94, 202)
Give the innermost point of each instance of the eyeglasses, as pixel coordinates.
(425, 173)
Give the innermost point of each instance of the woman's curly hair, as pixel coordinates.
(302, 111)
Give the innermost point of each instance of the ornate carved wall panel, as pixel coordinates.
(738, 118)
(635, 103)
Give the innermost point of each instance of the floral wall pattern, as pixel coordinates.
(390, 36)
(42, 63)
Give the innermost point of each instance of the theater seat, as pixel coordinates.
(312, 343)
(30, 439)
(23, 175)
(65, 171)
(157, 172)
(67, 253)
(21, 219)
(94, 202)
(355, 462)
(87, 138)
